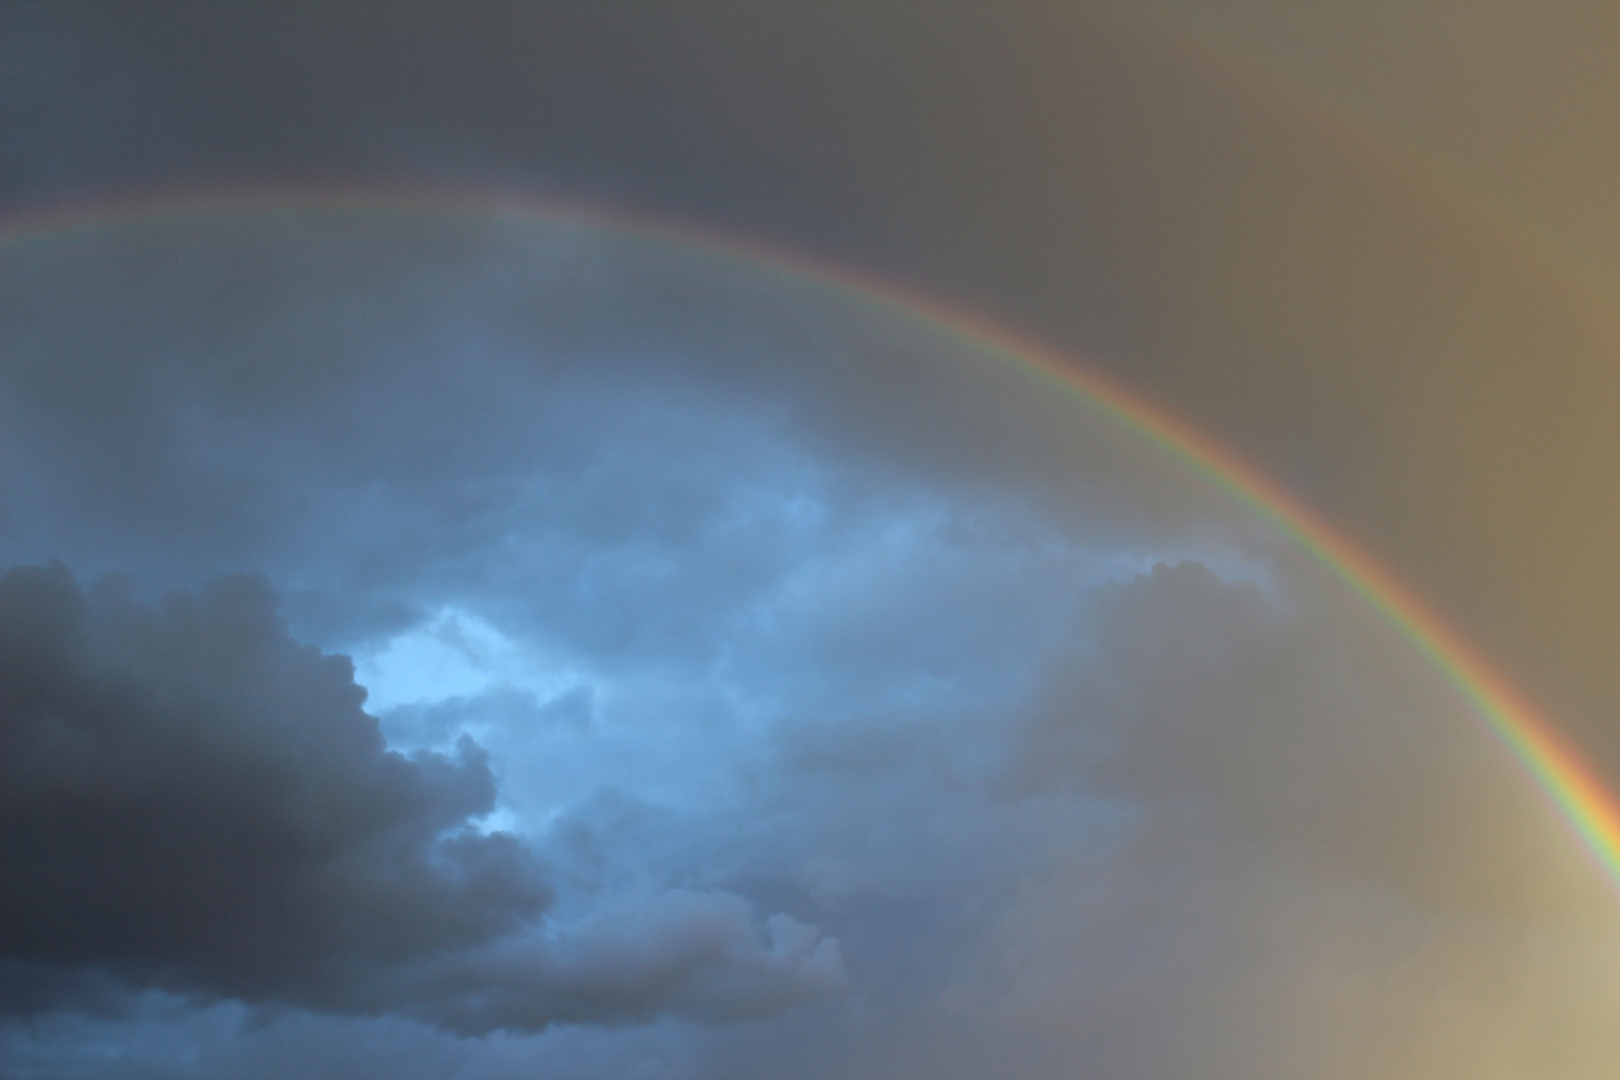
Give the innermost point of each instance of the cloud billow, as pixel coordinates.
(192, 800)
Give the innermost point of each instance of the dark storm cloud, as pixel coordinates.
(190, 799)
(193, 799)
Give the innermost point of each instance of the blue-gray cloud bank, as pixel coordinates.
(526, 653)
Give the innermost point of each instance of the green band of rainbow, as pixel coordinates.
(1573, 788)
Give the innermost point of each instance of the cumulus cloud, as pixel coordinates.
(700, 956)
(192, 800)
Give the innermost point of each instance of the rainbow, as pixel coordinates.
(1575, 790)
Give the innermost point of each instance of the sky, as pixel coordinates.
(446, 634)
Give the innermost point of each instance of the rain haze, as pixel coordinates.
(808, 541)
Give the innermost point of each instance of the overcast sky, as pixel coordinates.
(494, 648)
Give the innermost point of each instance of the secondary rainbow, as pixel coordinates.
(1574, 789)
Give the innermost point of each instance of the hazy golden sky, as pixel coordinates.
(1447, 235)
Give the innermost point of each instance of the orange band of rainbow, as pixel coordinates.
(1573, 788)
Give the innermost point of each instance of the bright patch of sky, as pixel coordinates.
(454, 654)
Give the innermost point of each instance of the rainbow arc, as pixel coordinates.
(1574, 788)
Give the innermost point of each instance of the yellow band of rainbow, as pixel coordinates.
(1577, 793)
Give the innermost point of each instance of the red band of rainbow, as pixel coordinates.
(1574, 789)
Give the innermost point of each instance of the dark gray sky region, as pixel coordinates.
(468, 645)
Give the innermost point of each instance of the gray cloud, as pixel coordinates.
(1191, 825)
(871, 709)
(368, 414)
(194, 801)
